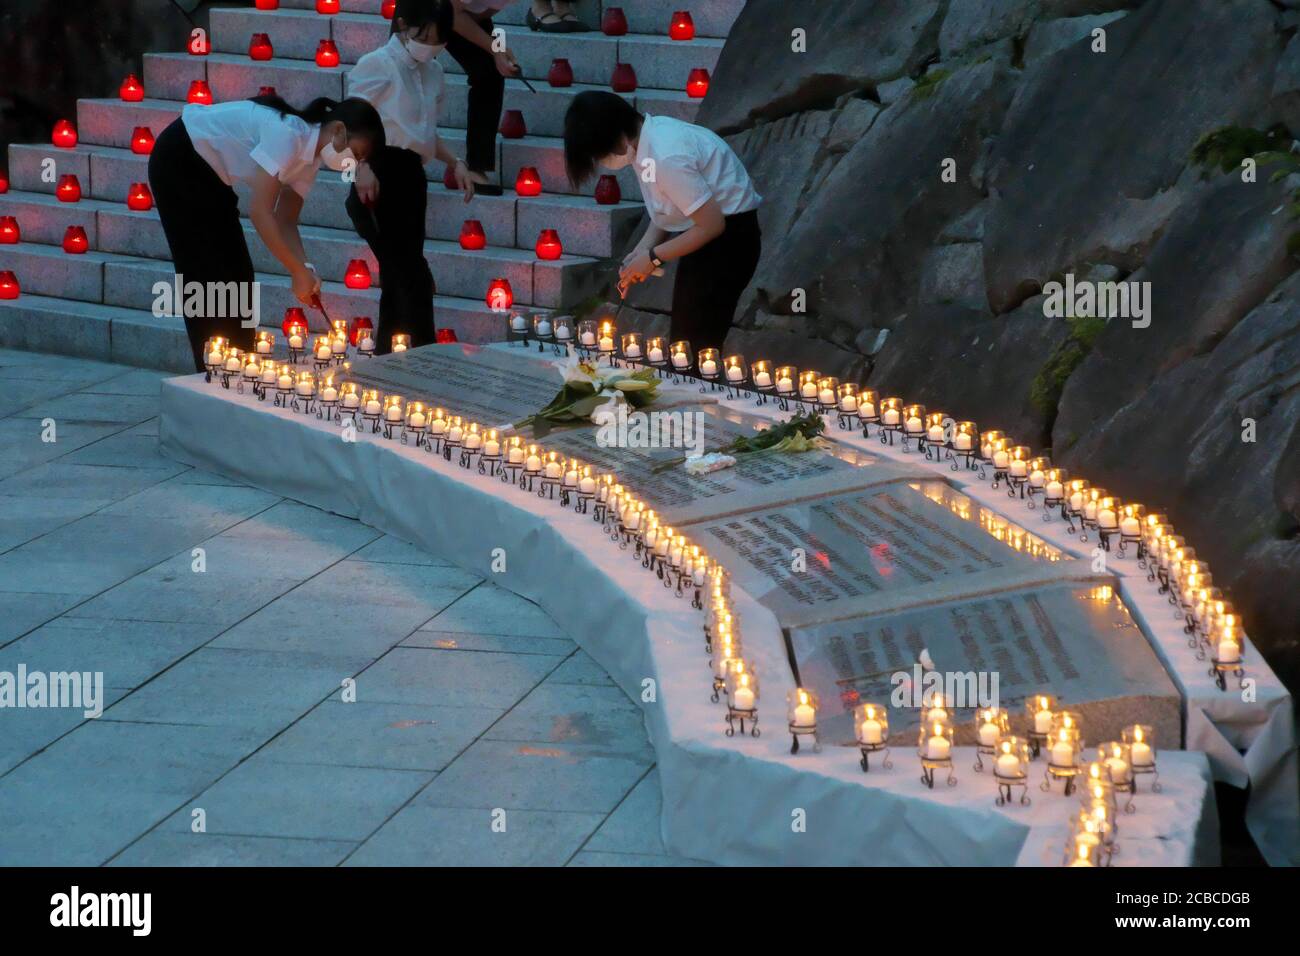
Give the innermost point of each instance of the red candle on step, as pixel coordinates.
(64, 135)
(624, 79)
(449, 177)
(445, 336)
(327, 7)
(607, 191)
(528, 182)
(139, 198)
(9, 288)
(500, 297)
(131, 90)
(614, 23)
(10, 234)
(697, 84)
(327, 54)
(198, 42)
(513, 125)
(682, 26)
(75, 242)
(472, 236)
(142, 141)
(358, 275)
(266, 91)
(268, 4)
(548, 245)
(199, 93)
(561, 73)
(387, 9)
(68, 190)
(360, 324)
(294, 318)
(259, 47)
(4, 182)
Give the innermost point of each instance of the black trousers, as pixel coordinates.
(487, 91)
(394, 229)
(711, 279)
(200, 217)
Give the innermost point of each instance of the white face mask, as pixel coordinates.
(423, 52)
(335, 159)
(616, 161)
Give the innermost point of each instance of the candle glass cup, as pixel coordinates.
(991, 725)
(741, 689)
(935, 740)
(871, 730)
(1011, 769)
(801, 706)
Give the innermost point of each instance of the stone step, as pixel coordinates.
(659, 61)
(713, 18)
(458, 272)
(93, 330)
(106, 117)
(43, 219)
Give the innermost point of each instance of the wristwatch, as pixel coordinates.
(658, 263)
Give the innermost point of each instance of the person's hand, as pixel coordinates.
(463, 180)
(636, 268)
(306, 285)
(506, 63)
(367, 185)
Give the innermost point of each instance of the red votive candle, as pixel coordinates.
(68, 189)
(624, 79)
(327, 54)
(139, 198)
(360, 324)
(472, 236)
(528, 182)
(697, 84)
(4, 182)
(294, 317)
(131, 90)
(513, 125)
(266, 91)
(267, 4)
(260, 48)
(387, 9)
(358, 275)
(327, 7)
(9, 288)
(445, 336)
(75, 242)
(199, 93)
(607, 191)
(10, 234)
(614, 22)
(64, 135)
(198, 42)
(682, 27)
(142, 141)
(500, 297)
(549, 245)
(561, 73)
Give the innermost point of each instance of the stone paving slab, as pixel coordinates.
(484, 690)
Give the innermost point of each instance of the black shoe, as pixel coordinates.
(573, 25)
(534, 24)
(552, 26)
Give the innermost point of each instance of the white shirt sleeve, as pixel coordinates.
(278, 147)
(682, 184)
(369, 80)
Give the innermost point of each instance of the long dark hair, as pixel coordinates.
(418, 14)
(360, 118)
(592, 127)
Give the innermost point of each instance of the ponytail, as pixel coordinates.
(358, 116)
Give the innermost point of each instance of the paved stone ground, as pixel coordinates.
(223, 687)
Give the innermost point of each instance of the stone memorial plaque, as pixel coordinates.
(1075, 641)
(644, 460)
(493, 387)
(859, 544)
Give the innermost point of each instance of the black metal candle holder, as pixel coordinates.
(1005, 785)
(930, 764)
(797, 731)
(489, 465)
(735, 716)
(868, 749)
(1057, 772)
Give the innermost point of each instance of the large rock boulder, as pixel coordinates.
(765, 73)
(1092, 134)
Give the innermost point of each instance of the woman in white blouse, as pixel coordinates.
(405, 83)
(702, 204)
(273, 149)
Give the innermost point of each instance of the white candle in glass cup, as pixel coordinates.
(323, 350)
(515, 455)
(587, 485)
(914, 425)
(743, 698)
(785, 384)
(518, 323)
(215, 355)
(534, 463)
(588, 337)
(1130, 527)
(455, 433)
(708, 367)
(867, 409)
(848, 403)
(338, 345)
(416, 419)
(1119, 769)
(735, 373)
(563, 332)
(263, 346)
(437, 425)
(351, 399)
(553, 469)
(473, 441)
(826, 396)
(607, 343)
(1042, 721)
(1008, 765)
(804, 715)
(1001, 459)
(393, 413)
(329, 393)
(368, 344)
(268, 374)
(1140, 753)
(543, 327)
(870, 732)
(989, 733)
(937, 747)
(763, 379)
(632, 350)
(373, 407)
(295, 341)
(305, 386)
(808, 390)
(1063, 753)
(1229, 652)
(234, 363)
(1019, 468)
(491, 447)
(656, 354)
(1054, 490)
(891, 416)
(399, 346)
(962, 441)
(680, 360)
(285, 380)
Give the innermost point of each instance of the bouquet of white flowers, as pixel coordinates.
(588, 390)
